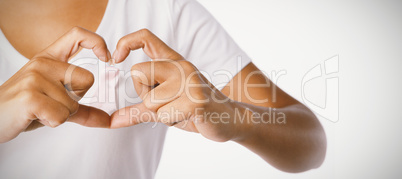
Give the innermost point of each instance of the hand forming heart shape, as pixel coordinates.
(47, 89)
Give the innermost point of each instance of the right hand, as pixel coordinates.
(42, 92)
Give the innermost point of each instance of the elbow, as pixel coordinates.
(311, 159)
(320, 152)
(305, 146)
(304, 160)
(307, 155)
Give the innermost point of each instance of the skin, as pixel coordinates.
(296, 146)
(42, 81)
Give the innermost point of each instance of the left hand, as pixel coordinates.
(173, 90)
(175, 93)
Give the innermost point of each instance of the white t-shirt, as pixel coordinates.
(74, 151)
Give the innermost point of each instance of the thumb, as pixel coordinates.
(132, 115)
(90, 117)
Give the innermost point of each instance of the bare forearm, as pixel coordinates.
(289, 138)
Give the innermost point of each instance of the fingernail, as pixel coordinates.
(115, 56)
(112, 62)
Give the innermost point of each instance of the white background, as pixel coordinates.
(295, 36)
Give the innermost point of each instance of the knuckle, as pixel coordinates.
(99, 40)
(31, 78)
(145, 32)
(86, 79)
(27, 96)
(138, 77)
(89, 79)
(148, 104)
(123, 42)
(134, 68)
(138, 67)
(139, 70)
(63, 116)
(36, 63)
(76, 30)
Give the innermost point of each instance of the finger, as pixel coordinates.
(34, 125)
(161, 95)
(69, 44)
(156, 72)
(55, 91)
(132, 115)
(47, 110)
(157, 89)
(149, 42)
(175, 112)
(91, 117)
(74, 78)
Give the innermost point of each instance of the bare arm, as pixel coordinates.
(175, 93)
(277, 127)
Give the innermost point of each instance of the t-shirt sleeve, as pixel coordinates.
(204, 42)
